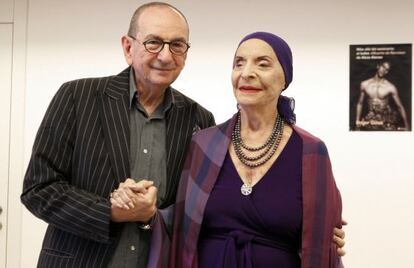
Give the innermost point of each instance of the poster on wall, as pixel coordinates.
(380, 87)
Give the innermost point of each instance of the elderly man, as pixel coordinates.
(110, 138)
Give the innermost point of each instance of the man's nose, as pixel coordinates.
(165, 54)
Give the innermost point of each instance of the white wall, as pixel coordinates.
(73, 39)
(12, 89)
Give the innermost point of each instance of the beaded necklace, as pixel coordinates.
(263, 152)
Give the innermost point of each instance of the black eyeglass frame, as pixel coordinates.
(162, 46)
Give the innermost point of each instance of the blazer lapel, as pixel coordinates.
(113, 104)
(180, 123)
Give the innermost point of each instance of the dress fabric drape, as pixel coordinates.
(259, 230)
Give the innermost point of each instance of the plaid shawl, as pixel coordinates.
(321, 201)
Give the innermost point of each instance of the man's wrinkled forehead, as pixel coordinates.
(162, 18)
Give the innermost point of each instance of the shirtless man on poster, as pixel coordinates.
(380, 115)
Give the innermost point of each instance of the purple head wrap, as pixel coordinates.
(281, 49)
(285, 105)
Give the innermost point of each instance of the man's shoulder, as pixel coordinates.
(97, 83)
(365, 83)
(215, 130)
(182, 100)
(390, 86)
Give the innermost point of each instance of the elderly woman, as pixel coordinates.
(257, 191)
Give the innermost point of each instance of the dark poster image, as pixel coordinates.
(380, 87)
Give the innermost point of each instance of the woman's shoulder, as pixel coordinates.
(311, 143)
(305, 135)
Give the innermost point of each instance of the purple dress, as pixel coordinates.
(259, 230)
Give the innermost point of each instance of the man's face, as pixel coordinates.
(157, 69)
(383, 69)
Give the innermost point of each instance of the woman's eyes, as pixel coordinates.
(264, 64)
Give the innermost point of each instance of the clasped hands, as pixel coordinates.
(134, 201)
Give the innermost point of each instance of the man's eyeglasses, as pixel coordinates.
(156, 45)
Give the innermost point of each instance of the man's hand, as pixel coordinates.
(339, 239)
(127, 191)
(134, 201)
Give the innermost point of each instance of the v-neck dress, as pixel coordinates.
(262, 229)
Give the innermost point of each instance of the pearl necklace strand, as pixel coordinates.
(265, 151)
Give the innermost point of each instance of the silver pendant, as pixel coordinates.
(246, 189)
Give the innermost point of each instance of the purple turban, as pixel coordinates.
(281, 49)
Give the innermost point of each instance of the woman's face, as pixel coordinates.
(257, 77)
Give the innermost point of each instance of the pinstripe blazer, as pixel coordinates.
(321, 199)
(81, 153)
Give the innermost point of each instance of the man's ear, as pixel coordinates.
(127, 46)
